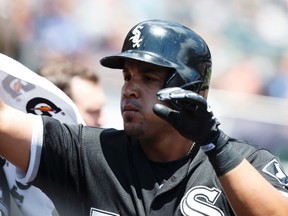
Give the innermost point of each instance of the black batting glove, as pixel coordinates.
(192, 118)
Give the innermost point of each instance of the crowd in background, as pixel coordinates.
(248, 41)
(248, 38)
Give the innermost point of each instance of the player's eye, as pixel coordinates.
(127, 77)
(149, 78)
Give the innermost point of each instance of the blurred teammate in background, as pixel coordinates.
(82, 85)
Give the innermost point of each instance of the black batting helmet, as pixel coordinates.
(170, 45)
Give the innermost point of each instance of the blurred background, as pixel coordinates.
(248, 40)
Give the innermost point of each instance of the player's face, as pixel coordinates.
(141, 83)
(90, 99)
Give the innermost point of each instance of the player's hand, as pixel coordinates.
(190, 115)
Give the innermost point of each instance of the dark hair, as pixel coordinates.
(61, 74)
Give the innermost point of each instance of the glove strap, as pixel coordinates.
(222, 155)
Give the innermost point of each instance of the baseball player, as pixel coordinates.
(171, 158)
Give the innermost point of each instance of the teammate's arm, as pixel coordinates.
(15, 136)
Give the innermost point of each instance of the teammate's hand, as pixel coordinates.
(191, 115)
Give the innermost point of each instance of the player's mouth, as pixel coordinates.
(129, 110)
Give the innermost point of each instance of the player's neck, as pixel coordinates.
(166, 148)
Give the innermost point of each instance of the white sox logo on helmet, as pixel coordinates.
(136, 36)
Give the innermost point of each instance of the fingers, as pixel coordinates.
(183, 98)
(165, 113)
(164, 94)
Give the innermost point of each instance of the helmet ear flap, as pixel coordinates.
(174, 79)
(194, 86)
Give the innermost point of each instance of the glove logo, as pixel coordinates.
(200, 201)
(42, 106)
(136, 36)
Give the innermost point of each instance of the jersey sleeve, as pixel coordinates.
(271, 169)
(36, 148)
(61, 169)
(62, 150)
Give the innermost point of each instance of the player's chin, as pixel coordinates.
(132, 129)
(129, 121)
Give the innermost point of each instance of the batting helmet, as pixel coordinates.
(170, 45)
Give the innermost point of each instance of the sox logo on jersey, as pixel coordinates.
(200, 201)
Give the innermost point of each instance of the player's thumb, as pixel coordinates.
(165, 113)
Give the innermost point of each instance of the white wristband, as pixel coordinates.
(207, 147)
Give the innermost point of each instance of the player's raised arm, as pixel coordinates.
(15, 135)
(248, 192)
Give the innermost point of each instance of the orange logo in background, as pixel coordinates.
(14, 86)
(42, 106)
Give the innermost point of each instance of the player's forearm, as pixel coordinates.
(250, 194)
(15, 136)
